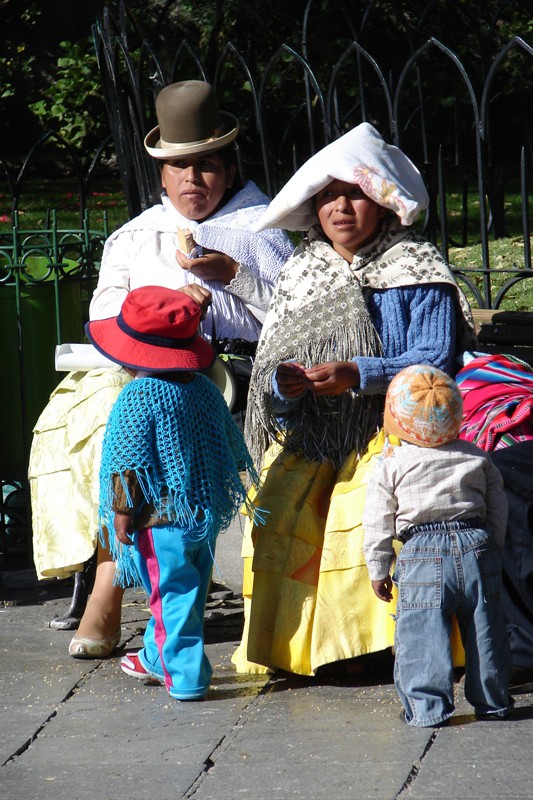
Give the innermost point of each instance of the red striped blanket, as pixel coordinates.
(498, 401)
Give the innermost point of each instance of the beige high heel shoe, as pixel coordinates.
(81, 647)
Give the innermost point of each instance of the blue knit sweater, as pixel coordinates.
(416, 324)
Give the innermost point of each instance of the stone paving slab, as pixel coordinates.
(490, 760)
(318, 740)
(81, 730)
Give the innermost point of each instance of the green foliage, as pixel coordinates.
(17, 56)
(58, 80)
(15, 67)
(73, 105)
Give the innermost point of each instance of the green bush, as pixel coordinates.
(73, 105)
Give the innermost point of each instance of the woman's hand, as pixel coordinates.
(199, 294)
(383, 589)
(291, 380)
(123, 524)
(333, 377)
(212, 266)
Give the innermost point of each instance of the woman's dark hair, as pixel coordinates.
(231, 158)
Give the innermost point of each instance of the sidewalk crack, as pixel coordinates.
(415, 769)
(24, 747)
(225, 742)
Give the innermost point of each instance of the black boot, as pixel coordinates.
(83, 584)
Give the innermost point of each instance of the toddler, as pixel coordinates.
(170, 478)
(444, 500)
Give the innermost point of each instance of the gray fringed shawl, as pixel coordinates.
(318, 314)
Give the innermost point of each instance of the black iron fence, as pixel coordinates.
(47, 277)
(468, 127)
(467, 124)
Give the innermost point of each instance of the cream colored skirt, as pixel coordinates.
(64, 469)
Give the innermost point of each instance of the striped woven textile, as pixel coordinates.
(498, 401)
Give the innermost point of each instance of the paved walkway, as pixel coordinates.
(82, 730)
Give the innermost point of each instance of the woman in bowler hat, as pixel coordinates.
(197, 240)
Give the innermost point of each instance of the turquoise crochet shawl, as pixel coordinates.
(186, 452)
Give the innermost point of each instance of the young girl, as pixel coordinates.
(361, 298)
(170, 478)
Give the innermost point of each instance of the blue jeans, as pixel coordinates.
(445, 569)
(176, 576)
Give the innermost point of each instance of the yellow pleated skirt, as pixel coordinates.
(308, 596)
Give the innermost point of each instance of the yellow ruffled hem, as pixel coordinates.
(312, 601)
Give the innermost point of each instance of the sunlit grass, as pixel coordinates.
(39, 197)
(506, 262)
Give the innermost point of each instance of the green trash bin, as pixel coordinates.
(28, 345)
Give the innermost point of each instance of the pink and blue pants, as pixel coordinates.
(176, 576)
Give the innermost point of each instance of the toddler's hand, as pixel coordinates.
(123, 524)
(383, 589)
(199, 294)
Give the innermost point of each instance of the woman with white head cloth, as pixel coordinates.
(360, 299)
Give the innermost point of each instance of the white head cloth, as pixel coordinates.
(362, 157)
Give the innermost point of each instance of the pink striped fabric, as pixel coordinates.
(498, 401)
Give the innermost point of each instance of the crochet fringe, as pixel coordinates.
(183, 516)
(180, 442)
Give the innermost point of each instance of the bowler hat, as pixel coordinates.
(190, 122)
(156, 331)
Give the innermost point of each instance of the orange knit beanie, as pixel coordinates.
(423, 406)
